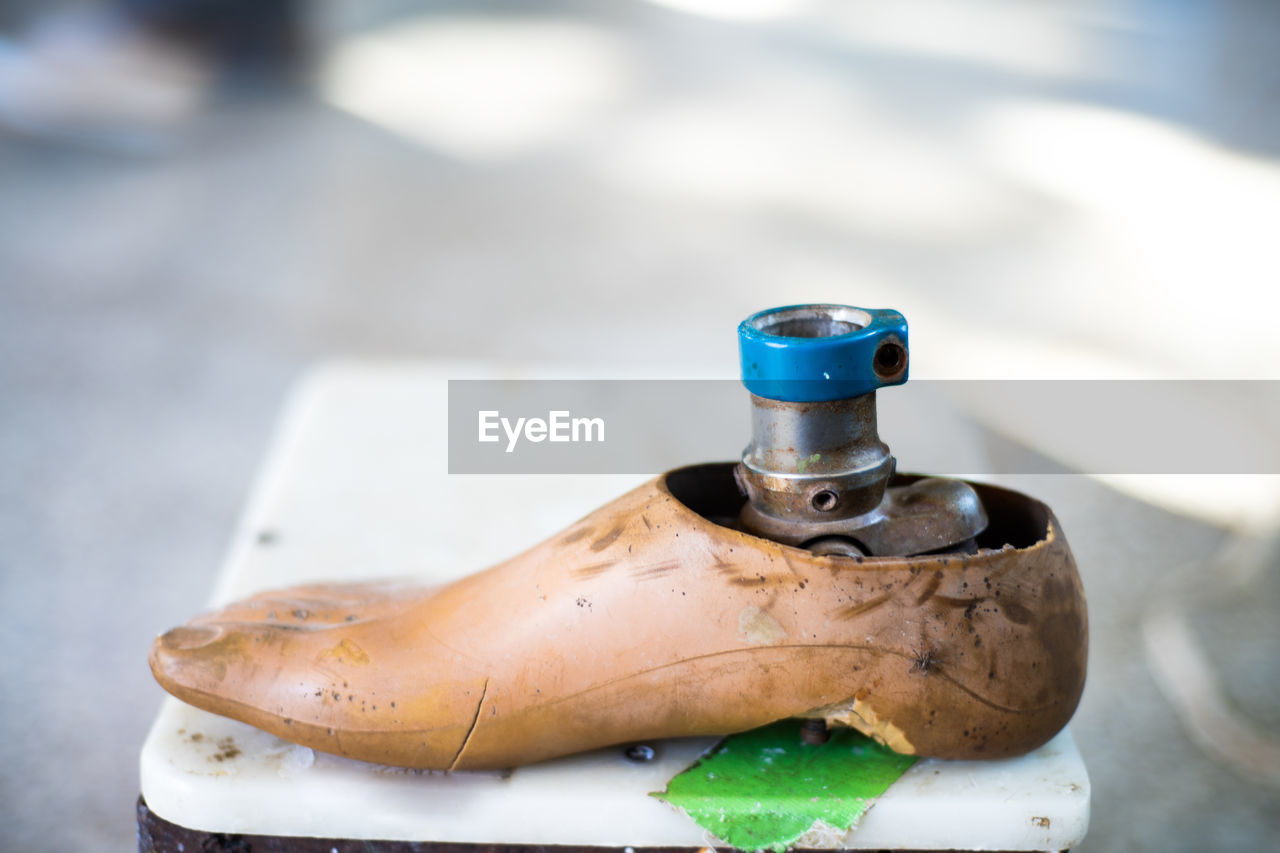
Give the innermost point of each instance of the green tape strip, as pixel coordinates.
(763, 789)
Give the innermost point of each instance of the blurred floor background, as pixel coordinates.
(1083, 190)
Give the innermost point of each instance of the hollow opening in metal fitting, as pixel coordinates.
(812, 321)
(890, 359)
(824, 500)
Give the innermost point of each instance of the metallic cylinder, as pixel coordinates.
(820, 460)
(812, 370)
(816, 473)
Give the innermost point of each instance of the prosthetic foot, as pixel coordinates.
(940, 617)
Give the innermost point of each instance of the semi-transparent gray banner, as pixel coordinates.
(943, 427)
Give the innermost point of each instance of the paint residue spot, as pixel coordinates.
(759, 627)
(347, 652)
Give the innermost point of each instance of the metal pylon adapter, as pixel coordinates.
(816, 473)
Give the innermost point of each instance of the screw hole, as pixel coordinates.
(889, 360)
(825, 500)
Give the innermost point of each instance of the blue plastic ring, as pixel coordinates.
(811, 353)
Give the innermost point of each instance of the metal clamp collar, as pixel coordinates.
(811, 353)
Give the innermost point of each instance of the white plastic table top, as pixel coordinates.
(356, 487)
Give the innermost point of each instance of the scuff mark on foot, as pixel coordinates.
(609, 538)
(591, 570)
